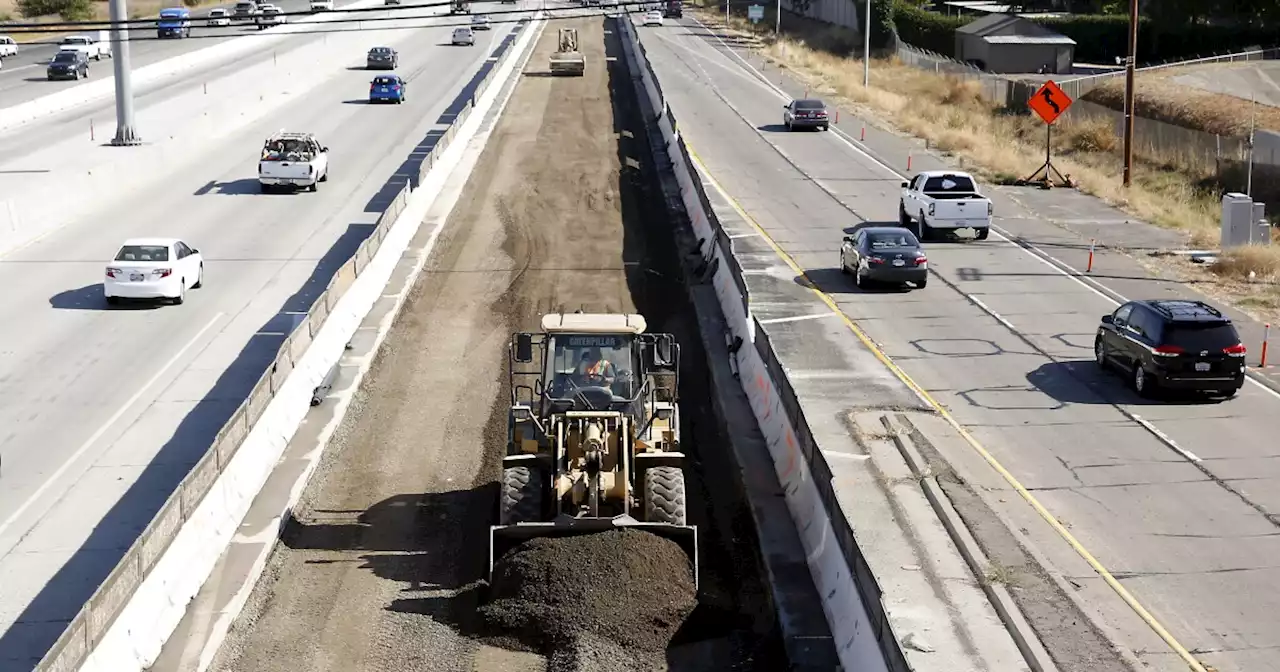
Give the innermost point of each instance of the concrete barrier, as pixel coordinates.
(125, 623)
(105, 87)
(851, 597)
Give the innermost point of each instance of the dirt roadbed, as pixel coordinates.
(382, 566)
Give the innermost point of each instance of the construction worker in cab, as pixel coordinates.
(594, 370)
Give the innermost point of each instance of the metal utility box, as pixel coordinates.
(1244, 222)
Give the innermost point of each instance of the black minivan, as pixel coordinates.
(68, 65)
(1173, 345)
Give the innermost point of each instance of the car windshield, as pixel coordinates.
(143, 253)
(575, 357)
(215, 13)
(65, 57)
(385, 81)
(289, 149)
(810, 105)
(882, 241)
(75, 41)
(949, 183)
(380, 51)
(1211, 336)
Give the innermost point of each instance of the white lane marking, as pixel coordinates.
(986, 309)
(1106, 293)
(798, 318)
(845, 456)
(75, 457)
(1164, 438)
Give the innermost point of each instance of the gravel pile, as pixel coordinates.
(574, 597)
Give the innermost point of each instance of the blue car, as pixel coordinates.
(387, 88)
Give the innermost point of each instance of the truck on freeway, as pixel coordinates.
(460, 7)
(947, 200)
(292, 161)
(245, 11)
(673, 9)
(174, 22)
(93, 47)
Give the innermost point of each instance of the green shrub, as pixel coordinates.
(883, 31)
(69, 10)
(927, 30)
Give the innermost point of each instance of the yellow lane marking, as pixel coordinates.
(1048, 517)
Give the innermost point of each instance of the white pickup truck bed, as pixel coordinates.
(944, 200)
(292, 161)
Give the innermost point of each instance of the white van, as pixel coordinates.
(465, 36)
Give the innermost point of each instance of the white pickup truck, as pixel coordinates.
(940, 199)
(94, 48)
(8, 46)
(292, 161)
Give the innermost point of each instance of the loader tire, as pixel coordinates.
(664, 498)
(521, 496)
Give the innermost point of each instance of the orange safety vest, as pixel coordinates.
(597, 369)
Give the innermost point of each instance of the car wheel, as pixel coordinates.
(113, 300)
(325, 177)
(1228, 394)
(844, 268)
(903, 218)
(199, 278)
(1142, 382)
(1100, 353)
(826, 127)
(788, 125)
(922, 284)
(860, 280)
(982, 233)
(264, 188)
(182, 294)
(925, 231)
(313, 187)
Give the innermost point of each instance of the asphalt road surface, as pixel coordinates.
(104, 411)
(1175, 497)
(381, 566)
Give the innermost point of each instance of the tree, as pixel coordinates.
(69, 10)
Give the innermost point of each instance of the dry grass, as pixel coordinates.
(138, 9)
(1157, 96)
(952, 115)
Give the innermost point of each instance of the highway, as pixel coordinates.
(381, 565)
(1175, 498)
(103, 411)
(23, 77)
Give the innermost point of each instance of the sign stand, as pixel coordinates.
(1049, 102)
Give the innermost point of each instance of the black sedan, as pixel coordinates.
(383, 58)
(884, 254)
(68, 65)
(807, 113)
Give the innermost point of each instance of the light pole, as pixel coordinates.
(777, 21)
(1130, 64)
(125, 133)
(866, 49)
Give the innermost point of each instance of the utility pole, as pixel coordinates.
(1130, 64)
(866, 49)
(777, 21)
(1253, 124)
(125, 133)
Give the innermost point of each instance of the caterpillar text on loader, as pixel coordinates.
(593, 434)
(568, 60)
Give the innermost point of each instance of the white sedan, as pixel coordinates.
(479, 22)
(653, 19)
(219, 17)
(153, 268)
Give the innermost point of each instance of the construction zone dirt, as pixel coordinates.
(383, 563)
(615, 581)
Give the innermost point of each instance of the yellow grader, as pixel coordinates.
(593, 434)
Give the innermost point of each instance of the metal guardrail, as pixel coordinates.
(83, 633)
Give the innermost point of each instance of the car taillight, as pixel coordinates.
(163, 272)
(1167, 351)
(1237, 350)
(395, 87)
(113, 272)
(921, 261)
(875, 260)
(991, 209)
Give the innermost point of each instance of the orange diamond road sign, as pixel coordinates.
(1050, 101)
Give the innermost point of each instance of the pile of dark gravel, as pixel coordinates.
(563, 595)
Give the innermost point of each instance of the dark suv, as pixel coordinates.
(68, 65)
(1170, 344)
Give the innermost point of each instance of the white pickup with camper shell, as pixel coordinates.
(94, 48)
(944, 200)
(292, 161)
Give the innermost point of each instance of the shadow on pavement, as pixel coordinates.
(90, 565)
(90, 297)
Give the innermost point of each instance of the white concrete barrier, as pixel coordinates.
(847, 613)
(54, 103)
(126, 623)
